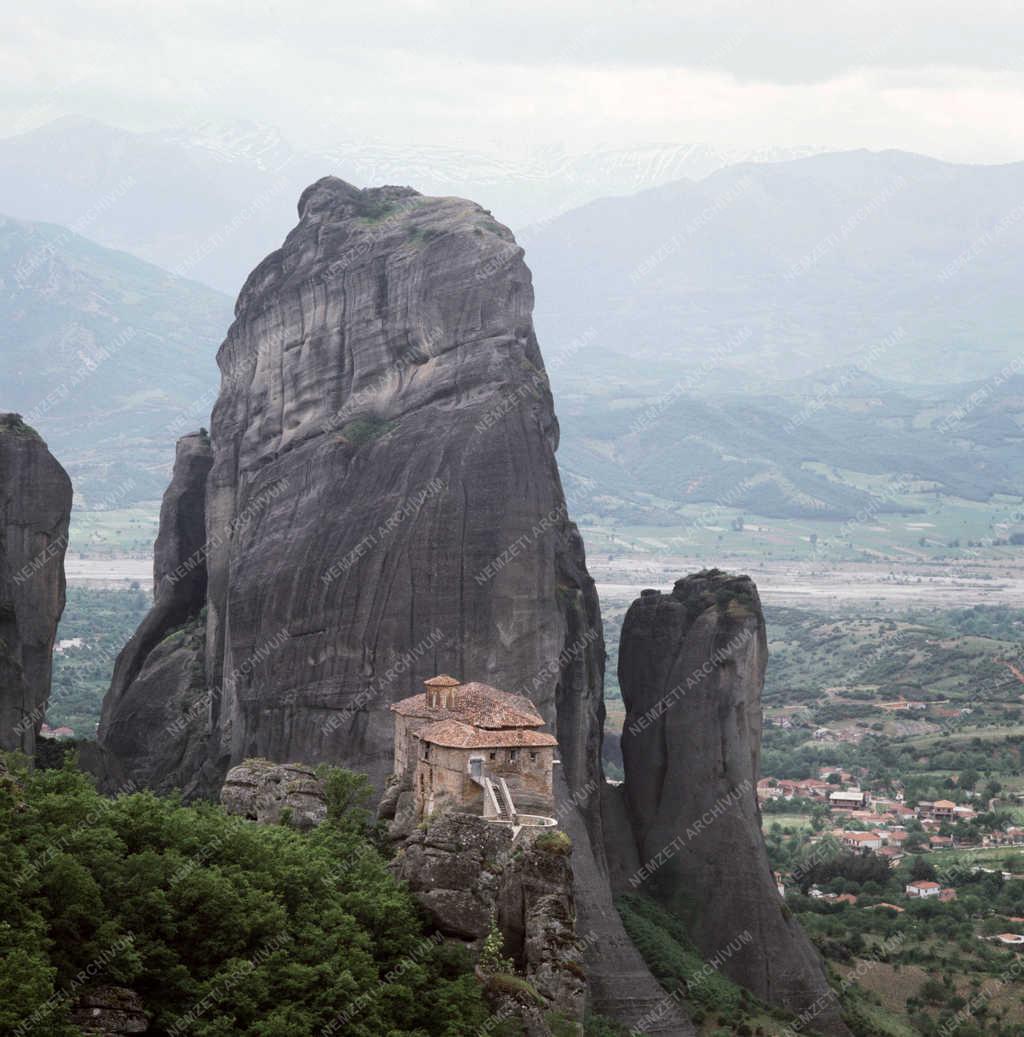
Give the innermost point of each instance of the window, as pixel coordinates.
(494, 756)
(533, 757)
(512, 754)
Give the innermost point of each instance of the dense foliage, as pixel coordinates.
(224, 927)
(105, 620)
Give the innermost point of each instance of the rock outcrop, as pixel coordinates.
(154, 720)
(110, 1011)
(469, 874)
(691, 669)
(35, 507)
(383, 501)
(270, 792)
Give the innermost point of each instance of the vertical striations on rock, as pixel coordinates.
(384, 501)
(154, 718)
(691, 669)
(35, 507)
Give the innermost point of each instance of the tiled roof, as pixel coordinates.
(442, 680)
(477, 704)
(456, 735)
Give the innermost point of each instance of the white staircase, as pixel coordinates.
(498, 804)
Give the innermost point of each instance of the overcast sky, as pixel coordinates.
(942, 78)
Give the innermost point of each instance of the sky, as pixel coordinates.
(942, 78)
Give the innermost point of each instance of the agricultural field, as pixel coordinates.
(122, 532)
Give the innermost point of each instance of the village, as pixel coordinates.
(846, 818)
(886, 825)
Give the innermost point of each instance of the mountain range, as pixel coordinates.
(886, 280)
(894, 262)
(209, 201)
(109, 357)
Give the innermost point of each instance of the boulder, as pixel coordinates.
(269, 792)
(110, 1011)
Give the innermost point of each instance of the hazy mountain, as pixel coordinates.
(904, 265)
(664, 315)
(826, 447)
(204, 206)
(110, 358)
(209, 202)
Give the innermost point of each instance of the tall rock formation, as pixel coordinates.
(154, 722)
(384, 489)
(691, 669)
(383, 505)
(35, 506)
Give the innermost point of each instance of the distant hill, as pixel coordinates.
(110, 358)
(903, 265)
(826, 447)
(206, 212)
(788, 338)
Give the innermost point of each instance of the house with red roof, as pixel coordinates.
(862, 840)
(473, 749)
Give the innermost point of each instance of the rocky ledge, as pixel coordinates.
(470, 875)
(110, 1011)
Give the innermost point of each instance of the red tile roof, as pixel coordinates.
(456, 735)
(442, 680)
(476, 704)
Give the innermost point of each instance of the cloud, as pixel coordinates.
(935, 77)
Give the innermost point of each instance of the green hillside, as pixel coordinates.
(110, 358)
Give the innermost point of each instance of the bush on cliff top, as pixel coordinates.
(15, 424)
(241, 929)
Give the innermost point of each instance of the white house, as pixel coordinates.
(848, 799)
(923, 888)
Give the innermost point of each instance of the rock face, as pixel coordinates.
(35, 506)
(109, 1012)
(384, 488)
(154, 718)
(266, 792)
(468, 874)
(691, 669)
(383, 502)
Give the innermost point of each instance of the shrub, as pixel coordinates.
(181, 903)
(515, 986)
(555, 841)
(366, 429)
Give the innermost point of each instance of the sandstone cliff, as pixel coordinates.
(154, 720)
(691, 669)
(384, 488)
(35, 506)
(383, 501)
